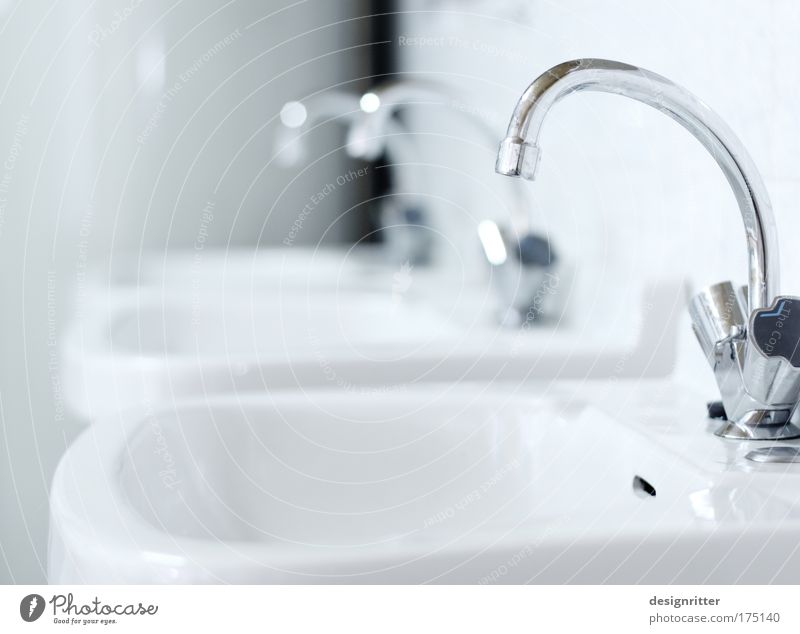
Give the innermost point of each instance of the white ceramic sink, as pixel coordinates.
(150, 347)
(154, 344)
(465, 484)
(242, 269)
(293, 323)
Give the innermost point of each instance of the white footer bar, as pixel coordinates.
(390, 609)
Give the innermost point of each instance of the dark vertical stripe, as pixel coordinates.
(383, 64)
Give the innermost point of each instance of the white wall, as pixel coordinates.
(107, 156)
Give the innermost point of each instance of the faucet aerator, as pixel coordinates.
(515, 157)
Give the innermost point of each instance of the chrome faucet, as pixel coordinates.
(407, 239)
(523, 262)
(750, 336)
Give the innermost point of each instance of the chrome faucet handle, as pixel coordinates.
(407, 235)
(525, 274)
(755, 360)
(718, 318)
(772, 361)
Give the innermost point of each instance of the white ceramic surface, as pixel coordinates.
(216, 269)
(464, 484)
(287, 319)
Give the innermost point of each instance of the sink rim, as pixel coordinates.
(86, 340)
(156, 551)
(155, 543)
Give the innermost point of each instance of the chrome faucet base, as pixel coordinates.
(775, 455)
(784, 431)
(760, 424)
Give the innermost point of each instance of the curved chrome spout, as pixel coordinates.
(382, 102)
(519, 151)
(299, 117)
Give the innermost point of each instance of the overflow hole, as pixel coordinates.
(642, 487)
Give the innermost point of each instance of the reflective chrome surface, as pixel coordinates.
(775, 455)
(519, 151)
(524, 285)
(760, 388)
(759, 380)
(527, 275)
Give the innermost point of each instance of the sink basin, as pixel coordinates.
(458, 484)
(243, 269)
(152, 345)
(149, 347)
(295, 323)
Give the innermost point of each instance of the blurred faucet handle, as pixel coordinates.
(408, 238)
(525, 273)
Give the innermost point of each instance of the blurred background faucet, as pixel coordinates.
(526, 271)
(523, 263)
(749, 335)
(401, 216)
